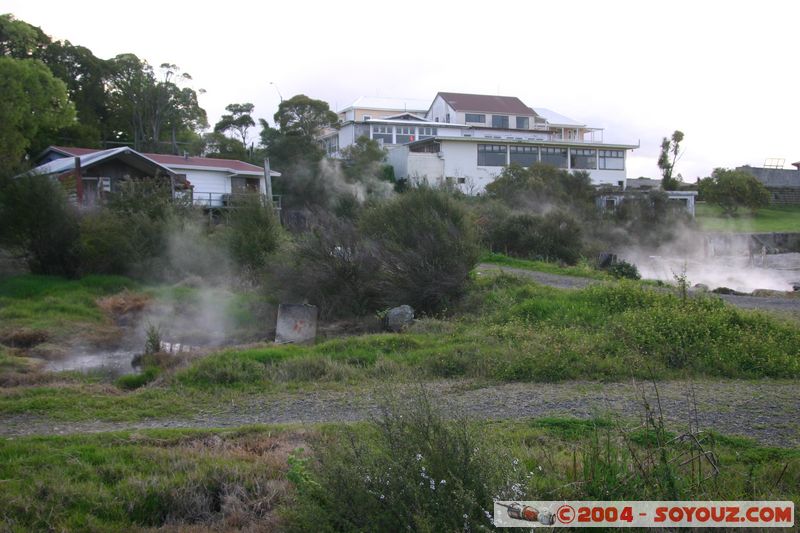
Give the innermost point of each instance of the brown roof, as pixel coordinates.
(175, 160)
(487, 103)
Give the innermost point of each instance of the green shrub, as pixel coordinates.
(254, 232)
(410, 471)
(37, 219)
(427, 246)
(624, 270)
(555, 236)
(135, 381)
(333, 268)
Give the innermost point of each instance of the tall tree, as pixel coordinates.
(21, 40)
(301, 115)
(670, 153)
(33, 101)
(152, 112)
(238, 121)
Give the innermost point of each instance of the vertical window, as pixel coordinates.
(523, 123)
(524, 155)
(556, 157)
(500, 121)
(583, 158)
(475, 118)
(447, 118)
(612, 159)
(492, 155)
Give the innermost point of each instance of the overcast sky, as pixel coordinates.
(725, 73)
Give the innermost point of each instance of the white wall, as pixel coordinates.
(398, 158)
(425, 166)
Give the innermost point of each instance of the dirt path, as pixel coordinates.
(785, 305)
(767, 411)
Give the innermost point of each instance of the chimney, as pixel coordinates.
(78, 181)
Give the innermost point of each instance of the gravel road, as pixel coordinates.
(766, 411)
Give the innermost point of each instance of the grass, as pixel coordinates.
(766, 220)
(398, 473)
(132, 480)
(507, 329)
(520, 331)
(254, 476)
(581, 270)
(55, 306)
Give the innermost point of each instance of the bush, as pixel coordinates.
(254, 232)
(624, 270)
(37, 219)
(333, 268)
(427, 249)
(554, 236)
(410, 471)
(731, 189)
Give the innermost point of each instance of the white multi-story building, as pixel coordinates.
(467, 139)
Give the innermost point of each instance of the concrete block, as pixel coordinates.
(297, 324)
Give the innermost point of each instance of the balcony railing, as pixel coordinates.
(217, 200)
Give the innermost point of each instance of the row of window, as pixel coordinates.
(498, 121)
(402, 134)
(498, 155)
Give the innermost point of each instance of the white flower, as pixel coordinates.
(419, 457)
(383, 497)
(433, 485)
(443, 482)
(515, 462)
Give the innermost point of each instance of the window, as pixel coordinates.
(499, 121)
(583, 158)
(556, 157)
(367, 117)
(612, 159)
(523, 123)
(473, 117)
(461, 181)
(447, 118)
(524, 155)
(491, 155)
(382, 133)
(405, 134)
(426, 132)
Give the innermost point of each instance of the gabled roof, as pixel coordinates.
(556, 119)
(390, 104)
(179, 162)
(406, 116)
(486, 103)
(91, 157)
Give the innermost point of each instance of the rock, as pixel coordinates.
(727, 290)
(702, 287)
(768, 293)
(606, 259)
(398, 318)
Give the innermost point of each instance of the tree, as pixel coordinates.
(670, 153)
(238, 120)
(304, 116)
(33, 100)
(19, 39)
(363, 159)
(731, 189)
(146, 109)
